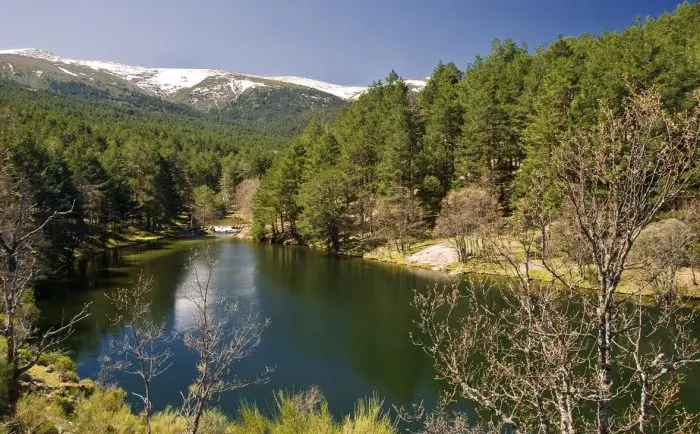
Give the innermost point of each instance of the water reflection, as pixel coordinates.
(341, 324)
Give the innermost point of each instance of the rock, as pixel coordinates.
(225, 229)
(437, 256)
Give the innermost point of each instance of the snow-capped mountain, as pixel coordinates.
(208, 87)
(282, 104)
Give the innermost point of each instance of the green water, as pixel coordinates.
(341, 324)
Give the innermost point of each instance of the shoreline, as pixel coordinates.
(688, 290)
(433, 255)
(416, 258)
(130, 239)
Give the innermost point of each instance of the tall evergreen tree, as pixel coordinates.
(493, 95)
(442, 115)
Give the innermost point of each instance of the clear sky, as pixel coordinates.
(341, 41)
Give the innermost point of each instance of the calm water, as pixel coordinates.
(341, 324)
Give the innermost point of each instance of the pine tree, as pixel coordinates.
(442, 115)
(493, 96)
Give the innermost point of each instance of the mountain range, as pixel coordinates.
(249, 100)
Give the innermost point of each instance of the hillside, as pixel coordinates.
(281, 105)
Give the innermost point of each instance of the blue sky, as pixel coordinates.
(345, 42)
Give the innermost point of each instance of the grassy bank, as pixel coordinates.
(629, 284)
(130, 235)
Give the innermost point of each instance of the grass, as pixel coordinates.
(629, 284)
(103, 409)
(233, 219)
(130, 235)
(308, 413)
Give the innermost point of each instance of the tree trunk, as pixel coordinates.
(193, 426)
(147, 406)
(644, 406)
(13, 388)
(604, 364)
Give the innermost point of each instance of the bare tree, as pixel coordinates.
(218, 342)
(616, 178)
(439, 421)
(548, 358)
(400, 218)
(518, 351)
(659, 252)
(144, 340)
(243, 200)
(467, 216)
(656, 345)
(20, 235)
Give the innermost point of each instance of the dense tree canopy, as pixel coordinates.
(122, 164)
(493, 125)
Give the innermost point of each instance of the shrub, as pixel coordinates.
(308, 412)
(168, 422)
(468, 216)
(106, 412)
(58, 361)
(214, 422)
(368, 418)
(38, 415)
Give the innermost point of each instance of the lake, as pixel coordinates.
(339, 323)
(342, 324)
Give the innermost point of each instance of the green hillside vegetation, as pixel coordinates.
(63, 404)
(129, 163)
(279, 110)
(42, 74)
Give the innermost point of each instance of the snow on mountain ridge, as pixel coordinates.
(345, 92)
(33, 52)
(168, 81)
(156, 80)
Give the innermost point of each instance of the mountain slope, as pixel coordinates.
(274, 104)
(165, 82)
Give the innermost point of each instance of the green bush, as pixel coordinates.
(168, 422)
(368, 419)
(303, 412)
(251, 420)
(58, 361)
(106, 412)
(214, 422)
(39, 415)
(103, 410)
(308, 412)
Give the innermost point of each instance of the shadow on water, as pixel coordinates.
(91, 278)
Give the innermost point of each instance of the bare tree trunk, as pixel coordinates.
(218, 344)
(604, 368)
(133, 310)
(645, 401)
